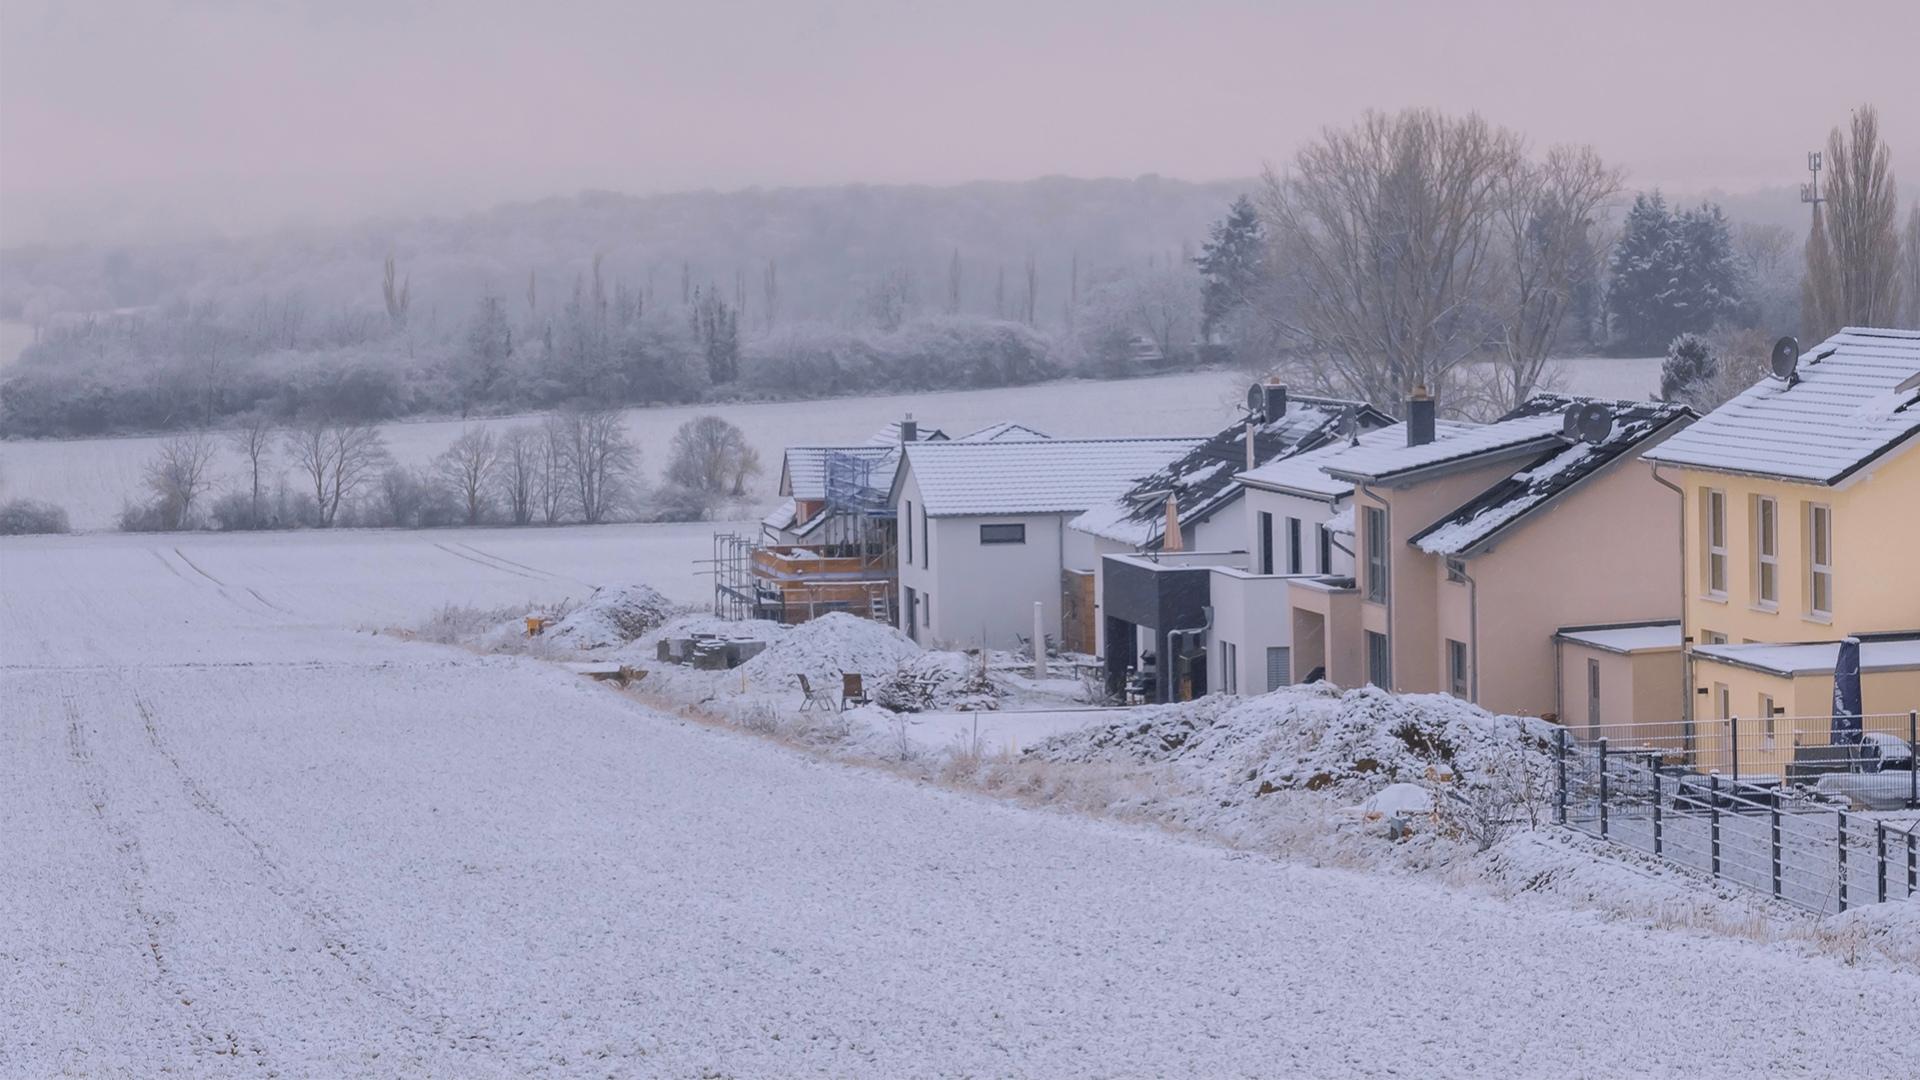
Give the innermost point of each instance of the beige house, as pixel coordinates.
(1801, 507)
(1475, 546)
(1613, 675)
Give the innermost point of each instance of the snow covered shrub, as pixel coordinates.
(936, 680)
(613, 615)
(20, 517)
(1507, 791)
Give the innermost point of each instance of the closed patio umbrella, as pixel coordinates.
(1846, 693)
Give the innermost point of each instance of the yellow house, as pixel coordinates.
(1800, 523)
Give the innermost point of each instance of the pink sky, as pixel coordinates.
(148, 119)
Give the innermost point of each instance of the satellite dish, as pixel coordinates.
(1570, 424)
(1594, 422)
(1786, 357)
(1256, 401)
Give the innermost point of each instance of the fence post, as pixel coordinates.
(1653, 766)
(1913, 761)
(1713, 823)
(1603, 787)
(1733, 741)
(1880, 863)
(1560, 776)
(1841, 817)
(1773, 830)
(1913, 864)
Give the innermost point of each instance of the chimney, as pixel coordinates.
(1420, 417)
(1273, 398)
(909, 430)
(1171, 541)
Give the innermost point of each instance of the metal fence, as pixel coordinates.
(1777, 815)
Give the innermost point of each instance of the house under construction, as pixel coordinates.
(831, 545)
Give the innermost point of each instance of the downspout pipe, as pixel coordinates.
(1686, 652)
(1473, 634)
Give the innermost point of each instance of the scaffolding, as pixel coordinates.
(847, 564)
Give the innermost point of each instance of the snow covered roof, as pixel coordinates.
(1649, 637)
(1204, 476)
(1304, 474)
(1038, 476)
(1844, 408)
(803, 473)
(1815, 658)
(1342, 521)
(1386, 461)
(1560, 467)
(1005, 429)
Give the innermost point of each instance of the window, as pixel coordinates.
(1294, 553)
(1713, 528)
(1766, 720)
(1593, 698)
(1229, 667)
(926, 539)
(1279, 666)
(1379, 664)
(1712, 637)
(1457, 571)
(1326, 549)
(911, 609)
(1722, 702)
(1003, 534)
(1766, 551)
(907, 538)
(1376, 527)
(926, 610)
(1820, 560)
(1457, 668)
(1266, 542)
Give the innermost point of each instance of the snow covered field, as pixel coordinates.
(93, 477)
(245, 838)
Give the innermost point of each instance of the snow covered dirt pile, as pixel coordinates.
(1347, 745)
(828, 647)
(613, 615)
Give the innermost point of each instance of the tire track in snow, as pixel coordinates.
(482, 562)
(164, 984)
(222, 586)
(335, 939)
(524, 566)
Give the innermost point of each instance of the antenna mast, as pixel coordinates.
(1810, 191)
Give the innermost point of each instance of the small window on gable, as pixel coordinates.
(1003, 534)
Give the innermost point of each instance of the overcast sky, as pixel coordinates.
(137, 120)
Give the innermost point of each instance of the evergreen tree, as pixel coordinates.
(1671, 274)
(716, 328)
(1229, 265)
(1690, 363)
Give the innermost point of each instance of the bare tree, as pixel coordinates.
(597, 460)
(468, 467)
(1385, 234)
(397, 293)
(519, 472)
(254, 442)
(711, 455)
(1544, 219)
(1910, 259)
(1166, 304)
(178, 475)
(1853, 252)
(336, 458)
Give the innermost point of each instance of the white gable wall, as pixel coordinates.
(1250, 610)
(975, 594)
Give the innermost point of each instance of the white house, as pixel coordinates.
(983, 527)
(1298, 525)
(1198, 489)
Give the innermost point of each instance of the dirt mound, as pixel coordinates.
(825, 648)
(613, 615)
(1347, 744)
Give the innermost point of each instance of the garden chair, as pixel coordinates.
(853, 691)
(815, 699)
